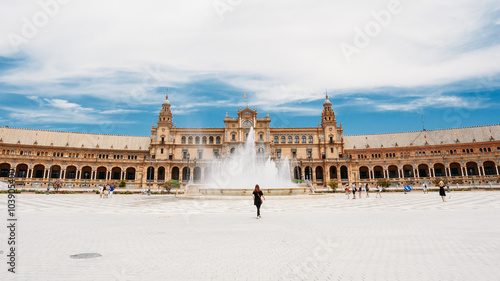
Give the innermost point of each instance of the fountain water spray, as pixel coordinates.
(245, 168)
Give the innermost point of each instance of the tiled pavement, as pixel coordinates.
(411, 236)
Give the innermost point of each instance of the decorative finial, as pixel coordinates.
(167, 95)
(326, 93)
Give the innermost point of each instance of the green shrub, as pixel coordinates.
(333, 184)
(168, 185)
(122, 183)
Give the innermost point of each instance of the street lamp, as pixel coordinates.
(346, 158)
(188, 171)
(446, 175)
(151, 178)
(50, 175)
(194, 161)
(300, 160)
(310, 167)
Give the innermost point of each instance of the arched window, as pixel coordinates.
(247, 124)
(289, 139)
(217, 140)
(261, 136)
(204, 140)
(276, 139)
(211, 140)
(233, 136)
(190, 140)
(296, 139)
(303, 139)
(183, 140)
(283, 140)
(310, 139)
(197, 140)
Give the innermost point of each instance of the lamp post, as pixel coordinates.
(151, 179)
(194, 161)
(300, 161)
(346, 158)
(188, 171)
(50, 175)
(446, 175)
(310, 167)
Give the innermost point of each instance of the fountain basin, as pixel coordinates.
(194, 189)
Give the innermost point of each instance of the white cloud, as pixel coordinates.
(278, 52)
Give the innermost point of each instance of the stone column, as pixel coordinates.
(484, 173)
(466, 172)
(433, 172)
(45, 174)
(63, 174)
(31, 173)
(497, 169)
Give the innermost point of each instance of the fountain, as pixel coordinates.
(243, 169)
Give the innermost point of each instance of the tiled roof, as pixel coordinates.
(74, 140)
(421, 138)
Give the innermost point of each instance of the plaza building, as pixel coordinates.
(315, 154)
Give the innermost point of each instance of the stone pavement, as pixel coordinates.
(411, 236)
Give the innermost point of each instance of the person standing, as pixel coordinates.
(111, 189)
(104, 192)
(258, 198)
(367, 188)
(347, 191)
(354, 191)
(425, 188)
(378, 191)
(441, 190)
(360, 190)
(101, 190)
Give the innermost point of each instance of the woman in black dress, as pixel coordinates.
(258, 198)
(441, 190)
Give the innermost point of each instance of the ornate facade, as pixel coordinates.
(318, 154)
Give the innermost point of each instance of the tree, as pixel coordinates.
(122, 183)
(384, 183)
(168, 185)
(56, 184)
(437, 180)
(333, 184)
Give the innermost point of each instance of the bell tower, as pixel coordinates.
(165, 117)
(328, 116)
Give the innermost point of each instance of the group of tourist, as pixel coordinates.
(359, 190)
(106, 191)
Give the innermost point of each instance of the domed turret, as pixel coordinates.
(327, 102)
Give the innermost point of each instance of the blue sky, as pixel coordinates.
(386, 65)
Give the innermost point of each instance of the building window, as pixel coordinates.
(289, 139)
(278, 153)
(310, 139)
(217, 140)
(204, 140)
(296, 139)
(197, 140)
(283, 139)
(211, 140)
(161, 151)
(303, 139)
(183, 140)
(261, 136)
(276, 139)
(190, 140)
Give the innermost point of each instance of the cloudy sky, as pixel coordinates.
(388, 66)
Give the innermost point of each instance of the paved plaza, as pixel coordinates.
(411, 236)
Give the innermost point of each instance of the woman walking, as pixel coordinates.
(367, 188)
(378, 191)
(441, 190)
(258, 198)
(347, 191)
(354, 191)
